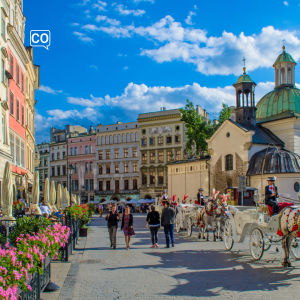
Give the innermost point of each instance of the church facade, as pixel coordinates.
(261, 140)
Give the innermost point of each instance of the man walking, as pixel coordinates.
(168, 221)
(112, 219)
(100, 208)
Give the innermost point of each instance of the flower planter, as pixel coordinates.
(83, 232)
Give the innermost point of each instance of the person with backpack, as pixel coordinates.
(153, 221)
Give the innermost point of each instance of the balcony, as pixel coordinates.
(111, 192)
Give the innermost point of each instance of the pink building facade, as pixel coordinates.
(81, 154)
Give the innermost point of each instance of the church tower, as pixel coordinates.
(245, 100)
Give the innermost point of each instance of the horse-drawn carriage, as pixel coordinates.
(263, 229)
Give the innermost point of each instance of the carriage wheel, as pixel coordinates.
(190, 226)
(227, 235)
(177, 223)
(267, 240)
(295, 248)
(256, 244)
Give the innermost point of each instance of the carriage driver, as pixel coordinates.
(271, 192)
(164, 197)
(200, 197)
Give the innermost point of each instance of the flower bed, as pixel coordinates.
(81, 213)
(28, 257)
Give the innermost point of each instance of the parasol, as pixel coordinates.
(78, 200)
(53, 196)
(73, 199)
(46, 194)
(59, 201)
(67, 198)
(34, 206)
(7, 194)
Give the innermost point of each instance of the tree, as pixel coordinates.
(200, 129)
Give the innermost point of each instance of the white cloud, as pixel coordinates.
(75, 24)
(125, 12)
(100, 5)
(188, 20)
(85, 2)
(87, 14)
(125, 68)
(94, 67)
(195, 6)
(83, 37)
(49, 90)
(120, 54)
(107, 20)
(138, 1)
(285, 3)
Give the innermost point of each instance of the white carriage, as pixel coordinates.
(258, 225)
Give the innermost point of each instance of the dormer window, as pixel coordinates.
(289, 75)
(282, 76)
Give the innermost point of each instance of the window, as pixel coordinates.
(169, 140)
(152, 177)
(144, 142)
(108, 185)
(160, 157)
(18, 151)
(52, 156)
(3, 29)
(134, 153)
(144, 178)
(169, 156)
(18, 75)
(151, 141)
(160, 177)
(23, 120)
(144, 158)
(46, 174)
(135, 167)
(64, 170)
(107, 169)
(86, 185)
(126, 185)
(100, 185)
(117, 168)
(117, 185)
(100, 170)
(64, 154)
(91, 166)
(117, 154)
(91, 149)
(144, 131)
(177, 154)
(52, 171)
(152, 157)
(228, 162)
(2, 72)
(134, 183)
(23, 154)
(282, 76)
(71, 151)
(12, 146)
(126, 153)
(160, 140)
(91, 184)
(86, 149)
(107, 154)
(11, 103)
(86, 167)
(58, 155)
(12, 65)
(75, 151)
(177, 138)
(289, 75)
(126, 168)
(58, 170)
(22, 82)
(100, 155)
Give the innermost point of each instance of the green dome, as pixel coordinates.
(281, 102)
(244, 78)
(284, 57)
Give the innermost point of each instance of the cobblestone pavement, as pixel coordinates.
(192, 269)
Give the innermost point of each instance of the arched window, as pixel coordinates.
(90, 166)
(119, 138)
(110, 139)
(278, 77)
(75, 151)
(106, 140)
(58, 155)
(91, 149)
(229, 162)
(282, 76)
(127, 138)
(98, 140)
(136, 137)
(289, 76)
(123, 138)
(86, 167)
(71, 151)
(115, 138)
(132, 137)
(86, 149)
(102, 140)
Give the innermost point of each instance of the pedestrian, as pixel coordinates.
(153, 221)
(100, 208)
(127, 223)
(168, 221)
(112, 219)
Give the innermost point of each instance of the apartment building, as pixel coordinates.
(44, 165)
(81, 155)
(162, 140)
(117, 158)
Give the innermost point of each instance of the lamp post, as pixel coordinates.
(70, 173)
(83, 192)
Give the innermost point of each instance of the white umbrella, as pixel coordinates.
(73, 199)
(46, 194)
(67, 198)
(53, 196)
(59, 197)
(132, 201)
(35, 195)
(78, 200)
(7, 194)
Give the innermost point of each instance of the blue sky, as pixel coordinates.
(111, 60)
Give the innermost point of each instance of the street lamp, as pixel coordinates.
(70, 172)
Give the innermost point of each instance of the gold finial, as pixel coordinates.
(244, 69)
(283, 47)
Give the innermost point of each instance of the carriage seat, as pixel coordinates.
(282, 205)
